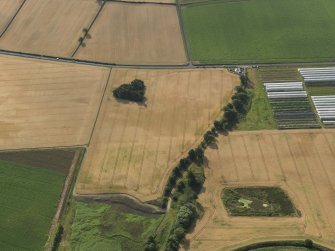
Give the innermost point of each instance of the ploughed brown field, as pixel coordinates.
(48, 104)
(8, 8)
(50, 27)
(141, 34)
(302, 162)
(135, 146)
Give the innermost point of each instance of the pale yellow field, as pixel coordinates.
(150, 1)
(301, 162)
(134, 147)
(50, 27)
(135, 34)
(8, 8)
(48, 104)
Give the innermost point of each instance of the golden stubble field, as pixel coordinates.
(48, 104)
(8, 8)
(134, 147)
(302, 162)
(50, 27)
(144, 34)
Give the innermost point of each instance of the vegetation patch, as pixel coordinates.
(260, 31)
(320, 89)
(133, 91)
(100, 226)
(29, 197)
(258, 201)
(260, 115)
(279, 74)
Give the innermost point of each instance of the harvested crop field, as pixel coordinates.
(135, 34)
(301, 162)
(50, 27)
(29, 198)
(8, 9)
(135, 146)
(48, 104)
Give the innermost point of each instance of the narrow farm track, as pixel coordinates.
(299, 161)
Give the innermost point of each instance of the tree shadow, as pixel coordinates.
(186, 244)
(213, 145)
(124, 101)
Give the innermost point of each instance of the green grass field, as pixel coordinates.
(29, 197)
(320, 90)
(100, 226)
(260, 115)
(260, 31)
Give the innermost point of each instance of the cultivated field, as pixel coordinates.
(50, 27)
(46, 104)
(135, 146)
(256, 31)
(135, 34)
(8, 8)
(301, 162)
(29, 197)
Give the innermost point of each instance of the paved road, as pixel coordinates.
(186, 66)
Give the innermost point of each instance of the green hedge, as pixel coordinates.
(293, 243)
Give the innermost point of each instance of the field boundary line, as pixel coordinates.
(89, 28)
(100, 105)
(118, 197)
(183, 33)
(64, 194)
(139, 2)
(42, 148)
(11, 21)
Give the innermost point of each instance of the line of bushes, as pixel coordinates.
(187, 178)
(58, 238)
(309, 244)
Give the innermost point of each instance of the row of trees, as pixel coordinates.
(184, 184)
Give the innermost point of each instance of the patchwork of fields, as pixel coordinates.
(135, 146)
(48, 104)
(29, 198)
(301, 162)
(132, 148)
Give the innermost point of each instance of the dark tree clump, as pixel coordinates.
(134, 91)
